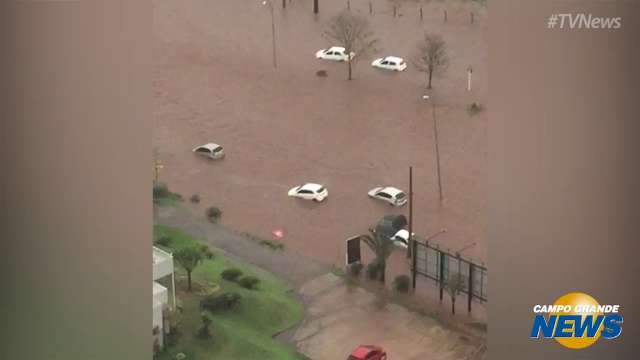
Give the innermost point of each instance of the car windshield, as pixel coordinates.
(400, 195)
(218, 149)
(320, 190)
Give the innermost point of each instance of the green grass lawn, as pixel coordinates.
(245, 332)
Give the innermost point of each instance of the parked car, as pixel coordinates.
(335, 53)
(390, 63)
(389, 194)
(368, 352)
(309, 191)
(210, 150)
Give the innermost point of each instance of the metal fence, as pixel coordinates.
(440, 266)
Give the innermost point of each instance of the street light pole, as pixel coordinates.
(437, 145)
(273, 31)
(411, 239)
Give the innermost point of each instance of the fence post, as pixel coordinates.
(370, 8)
(470, 293)
(441, 274)
(414, 260)
(348, 5)
(445, 15)
(421, 17)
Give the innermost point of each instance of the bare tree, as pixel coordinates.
(454, 286)
(353, 32)
(431, 56)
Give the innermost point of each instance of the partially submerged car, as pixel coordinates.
(335, 53)
(368, 352)
(309, 191)
(210, 150)
(390, 63)
(389, 194)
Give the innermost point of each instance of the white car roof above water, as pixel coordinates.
(311, 186)
(336, 48)
(209, 146)
(392, 191)
(394, 59)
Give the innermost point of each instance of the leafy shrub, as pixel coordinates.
(161, 191)
(249, 282)
(220, 302)
(355, 269)
(401, 283)
(204, 332)
(163, 240)
(373, 269)
(195, 198)
(321, 73)
(273, 245)
(206, 251)
(213, 213)
(231, 274)
(474, 108)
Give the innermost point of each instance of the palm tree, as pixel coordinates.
(454, 286)
(381, 247)
(189, 258)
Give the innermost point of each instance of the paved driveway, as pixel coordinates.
(341, 317)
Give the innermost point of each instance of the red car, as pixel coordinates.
(368, 352)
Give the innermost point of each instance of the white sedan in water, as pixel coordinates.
(389, 194)
(210, 150)
(390, 63)
(334, 53)
(401, 238)
(309, 191)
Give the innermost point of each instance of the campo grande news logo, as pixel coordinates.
(576, 321)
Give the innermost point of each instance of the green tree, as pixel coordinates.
(382, 247)
(189, 258)
(454, 286)
(204, 331)
(353, 32)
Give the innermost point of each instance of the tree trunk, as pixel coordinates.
(383, 271)
(453, 305)
(316, 8)
(189, 280)
(430, 76)
(349, 65)
(284, 4)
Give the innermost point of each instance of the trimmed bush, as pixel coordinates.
(220, 302)
(249, 282)
(213, 213)
(355, 269)
(195, 198)
(474, 108)
(161, 191)
(401, 283)
(204, 332)
(207, 252)
(231, 274)
(322, 73)
(163, 240)
(373, 269)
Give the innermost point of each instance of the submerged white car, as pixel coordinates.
(309, 191)
(389, 194)
(401, 238)
(334, 53)
(390, 63)
(210, 150)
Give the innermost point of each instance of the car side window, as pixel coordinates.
(392, 63)
(384, 195)
(203, 150)
(305, 192)
(372, 355)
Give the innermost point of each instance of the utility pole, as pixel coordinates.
(437, 145)
(273, 30)
(469, 72)
(316, 7)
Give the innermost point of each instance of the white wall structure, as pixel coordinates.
(162, 270)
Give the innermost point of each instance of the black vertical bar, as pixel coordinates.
(414, 261)
(316, 6)
(470, 294)
(409, 248)
(441, 274)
